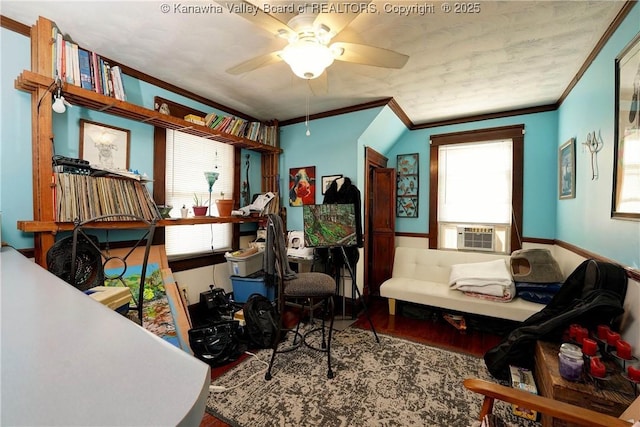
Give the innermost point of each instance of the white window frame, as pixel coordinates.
(187, 158)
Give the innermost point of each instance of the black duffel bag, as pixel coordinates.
(217, 343)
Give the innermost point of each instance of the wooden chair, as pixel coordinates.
(556, 409)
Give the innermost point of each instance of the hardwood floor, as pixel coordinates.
(414, 323)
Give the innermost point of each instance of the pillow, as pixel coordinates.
(541, 293)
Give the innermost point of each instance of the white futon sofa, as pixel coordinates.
(422, 276)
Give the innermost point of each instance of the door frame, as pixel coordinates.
(372, 160)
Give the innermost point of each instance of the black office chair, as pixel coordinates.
(296, 287)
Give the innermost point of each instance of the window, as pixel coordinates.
(476, 189)
(188, 157)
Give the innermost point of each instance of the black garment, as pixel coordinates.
(347, 194)
(593, 294)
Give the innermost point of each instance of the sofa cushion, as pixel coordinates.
(440, 295)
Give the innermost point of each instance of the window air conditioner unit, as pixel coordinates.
(478, 238)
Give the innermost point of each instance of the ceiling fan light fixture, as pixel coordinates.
(307, 58)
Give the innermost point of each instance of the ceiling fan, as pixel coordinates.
(309, 50)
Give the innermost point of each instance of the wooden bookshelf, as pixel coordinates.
(54, 227)
(38, 81)
(30, 81)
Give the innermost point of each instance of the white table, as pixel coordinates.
(68, 360)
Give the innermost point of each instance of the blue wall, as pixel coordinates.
(540, 170)
(16, 186)
(331, 148)
(586, 220)
(335, 146)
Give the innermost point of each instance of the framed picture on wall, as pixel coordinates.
(302, 186)
(626, 186)
(407, 184)
(567, 170)
(104, 146)
(327, 180)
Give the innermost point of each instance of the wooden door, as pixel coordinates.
(382, 222)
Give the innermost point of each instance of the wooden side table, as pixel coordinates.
(612, 397)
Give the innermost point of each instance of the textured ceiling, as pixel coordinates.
(509, 55)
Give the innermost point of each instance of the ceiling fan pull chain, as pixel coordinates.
(306, 122)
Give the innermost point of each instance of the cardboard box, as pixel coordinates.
(522, 379)
(244, 266)
(243, 287)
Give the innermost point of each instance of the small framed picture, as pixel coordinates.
(327, 180)
(567, 170)
(104, 146)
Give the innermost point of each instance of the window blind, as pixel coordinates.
(474, 182)
(188, 158)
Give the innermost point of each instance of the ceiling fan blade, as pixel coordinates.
(256, 15)
(369, 55)
(337, 17)
(319, 86)
(257, 62)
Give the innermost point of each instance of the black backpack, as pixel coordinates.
(261, 321)
(593, 294)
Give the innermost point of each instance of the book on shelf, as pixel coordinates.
(255, 131)
(77, 66)
(118, 85)
(84, 197)
(85, 69)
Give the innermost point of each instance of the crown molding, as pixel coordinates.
(359, 107)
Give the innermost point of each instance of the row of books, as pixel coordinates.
(80, 67)
(255, 131)
(82, 197)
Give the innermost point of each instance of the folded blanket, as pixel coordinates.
(480, 275)
(488, 280)
(508, 293)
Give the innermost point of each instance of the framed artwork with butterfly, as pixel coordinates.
(407, 185)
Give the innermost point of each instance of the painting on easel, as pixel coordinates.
(157, 317)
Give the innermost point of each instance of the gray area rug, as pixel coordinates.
(393, 383)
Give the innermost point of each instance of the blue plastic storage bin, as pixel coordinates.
(243, 287)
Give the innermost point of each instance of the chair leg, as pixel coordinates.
(331, 313)
(324, 316)
(276, 342)
(300, 316)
